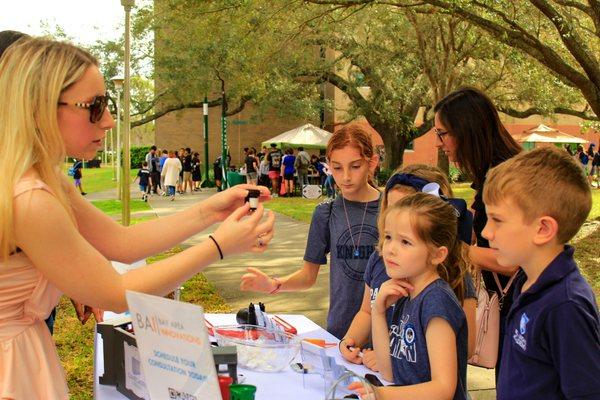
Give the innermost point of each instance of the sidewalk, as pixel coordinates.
(284, 256)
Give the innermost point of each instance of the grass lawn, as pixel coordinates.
(302, 209)
(113, 207)
(98, 179)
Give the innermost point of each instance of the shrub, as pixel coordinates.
(456, 175)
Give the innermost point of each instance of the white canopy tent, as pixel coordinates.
(545, 134)
(307, 136)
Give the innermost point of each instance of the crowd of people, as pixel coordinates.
(166, 172)
(402, 262)
(590, 162)
(284, 171)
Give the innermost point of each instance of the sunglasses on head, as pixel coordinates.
(96, 107)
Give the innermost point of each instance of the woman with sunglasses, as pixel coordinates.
(471, 134)
(53, 241)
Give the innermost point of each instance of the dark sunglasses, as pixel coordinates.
(96, 107)
(440, 133)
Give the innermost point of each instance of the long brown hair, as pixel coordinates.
(356, 136)
(482, 141)
(434, 221)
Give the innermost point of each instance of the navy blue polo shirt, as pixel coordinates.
(552, 342)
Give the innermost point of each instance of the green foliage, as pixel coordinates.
(456, 175)
(138, 156)
(383, 175)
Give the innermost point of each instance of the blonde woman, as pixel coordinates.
(52, 241)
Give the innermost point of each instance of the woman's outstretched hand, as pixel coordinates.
(243, 231)
(220, 206)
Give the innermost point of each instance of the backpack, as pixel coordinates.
(71, 171)
(301, 162)
(584, 158)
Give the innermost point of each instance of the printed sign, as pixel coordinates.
(174, 348)
(311, 191)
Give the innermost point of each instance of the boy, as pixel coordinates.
(536, 202)
(144, 176)
(78, 176)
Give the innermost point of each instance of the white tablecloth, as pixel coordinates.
(287, 384)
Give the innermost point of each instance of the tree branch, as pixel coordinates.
(572, 41)
(174, 107)
(558, 110)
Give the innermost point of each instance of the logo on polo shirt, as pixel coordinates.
(523, 323)
(518, 335)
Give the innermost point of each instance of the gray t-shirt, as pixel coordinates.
(408, 346)
(329, 233)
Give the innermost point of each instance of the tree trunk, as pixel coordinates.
(395, 143)
(443, 162)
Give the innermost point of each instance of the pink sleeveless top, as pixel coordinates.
(29, 364)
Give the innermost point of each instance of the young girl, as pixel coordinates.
(424, 350)
(53, 241)
(346, 228)
(354, 347)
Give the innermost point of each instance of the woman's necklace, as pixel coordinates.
(355, 246)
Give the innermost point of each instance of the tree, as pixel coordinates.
(411, 60)
(561, 35)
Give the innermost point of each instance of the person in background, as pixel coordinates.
(78, 176)
(143, 176)
(161, 162)
(287, 171)
(274, 158)
(264, 173)
(596, 169)
(187, 171)
(171, 171)
(196, 172)
(590, 153)
(251, 167)
(301, 164)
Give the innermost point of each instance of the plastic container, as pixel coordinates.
(259, 349)
(224, 384)
(242, 392)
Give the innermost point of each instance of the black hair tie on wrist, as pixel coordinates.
(216, 244)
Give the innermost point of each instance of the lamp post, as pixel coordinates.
(118, 81)
(127, 4)
(205, 110)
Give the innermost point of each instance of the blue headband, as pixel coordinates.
(406, 180)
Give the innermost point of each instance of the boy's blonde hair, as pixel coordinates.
(33, 74)
(543, 182)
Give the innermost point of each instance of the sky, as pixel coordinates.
(83, 20)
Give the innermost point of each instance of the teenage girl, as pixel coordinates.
(471, 134)
(424, 348)
(53, 241)
(346, 228)
(409, 180)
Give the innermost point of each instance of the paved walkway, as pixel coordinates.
(283, 256)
